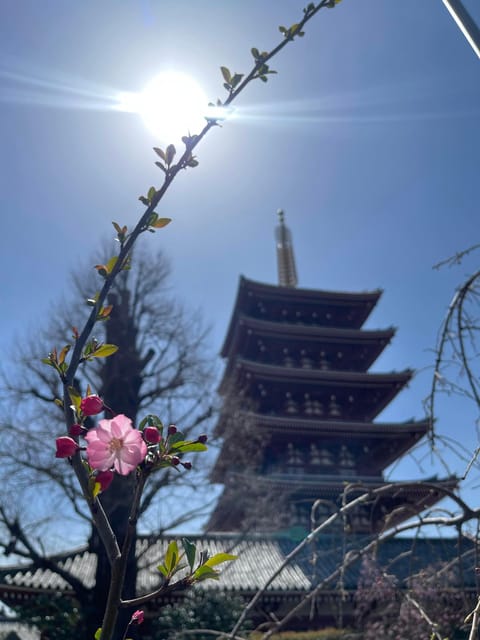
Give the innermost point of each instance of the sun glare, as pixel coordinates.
(172, 105)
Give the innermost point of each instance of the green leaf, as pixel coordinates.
(190, 552)
(189, 141)
(160, 153)
(151, 193)
(176, 437)
(163, 570)
(104, 351)
(172, 556)
(98, 633)
(170, 154)
(188, 447)
(293, 29)
(255, 52)
(160, 166)
(152, 421)
(227, 76)
(105, 312)
(161, 222)
(205, 573)
(218, 558)
(111, 263)
(236, 79)
(97, 487)
(63, 353)
(75, 397)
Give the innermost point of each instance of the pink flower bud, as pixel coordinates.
(175, 460)
(172, 429)
(104, 478)
(91, 405)
(76, 430)
(187, 465)
(66, 447)
(151, 435)
(202, 438)
(137, 617)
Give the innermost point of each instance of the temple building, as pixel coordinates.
(302, 448)
(298, 424)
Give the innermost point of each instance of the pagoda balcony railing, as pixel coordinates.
(304, 475)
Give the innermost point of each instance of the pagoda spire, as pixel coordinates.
(287, 273)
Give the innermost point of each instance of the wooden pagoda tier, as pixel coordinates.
(298, 414)
(293, 498)
(299, 306)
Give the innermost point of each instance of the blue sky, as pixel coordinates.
(368, 137)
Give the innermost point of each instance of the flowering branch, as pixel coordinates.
(114, 445)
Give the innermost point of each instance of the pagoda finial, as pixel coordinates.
(287, 273)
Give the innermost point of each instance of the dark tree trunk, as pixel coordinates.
(121, 381)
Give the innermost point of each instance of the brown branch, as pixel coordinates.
(352, 556)
(42, 562)
(119, 566)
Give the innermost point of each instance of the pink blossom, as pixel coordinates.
(115, 443)
(91, 405)
(137, 617)
(66, 447)
(151, 435)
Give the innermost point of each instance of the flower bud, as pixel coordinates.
(172, 429)
(137, 617)
(175, 460)
(91, 405)
(66, 447)
(202, 438)
(152, 435)
(76, 430)
(104, 479)
(187, 465)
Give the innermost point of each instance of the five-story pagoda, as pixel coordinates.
(299, 405)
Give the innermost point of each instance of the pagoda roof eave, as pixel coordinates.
(408, 499)
(302, 375)
(292, 481)
(302, 331)
(290, 294)
(319, 427)
(412, 430)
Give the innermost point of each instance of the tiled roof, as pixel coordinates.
(11, 629)
(258, 557)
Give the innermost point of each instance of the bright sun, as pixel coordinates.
(172, 105)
